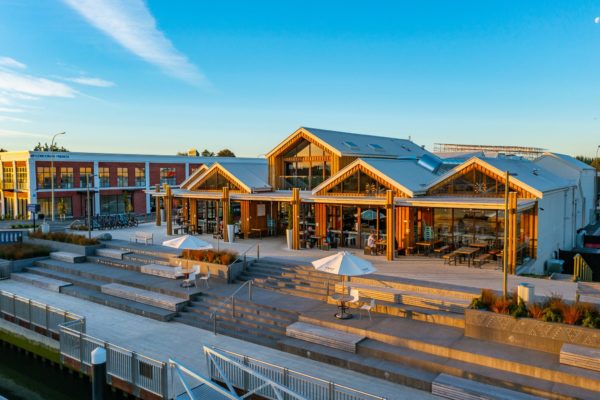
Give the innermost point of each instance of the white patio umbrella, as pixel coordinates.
(187, 242)
(344, 264)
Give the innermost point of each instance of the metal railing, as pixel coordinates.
(37, 314)
(11, 236)
(243, 255)
(143, 373)
(248, 374)
(213, 315)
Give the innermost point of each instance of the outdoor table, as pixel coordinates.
(426, 245)
(380, 246)
(479, 245)
(186, 275)
(342, 299)
(468, 252)
(317, 239)
(257, 230)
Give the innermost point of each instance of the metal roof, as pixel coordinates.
(253, 175)
(406, 173)
(356, 144)
(572, 161)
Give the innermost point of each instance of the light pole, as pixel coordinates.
(505, 248)
(52, 174)
(87, 205)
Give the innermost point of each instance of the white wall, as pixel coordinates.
(555, 226)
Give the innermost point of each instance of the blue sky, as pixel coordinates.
(163, 76)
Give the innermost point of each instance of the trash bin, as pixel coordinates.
(554, 265)
(526, 292)
(289, 235)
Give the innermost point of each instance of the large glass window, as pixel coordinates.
(359, 183)
(66, 178)
(104, 176)
(305, 166)
(122, 177)
(216, 181)
(85, 173)
(8, 178)
(471, 183)
(43, 177)
(168, 176)
(22, 177)
(116, 203)
(140, 177)
(61, 205)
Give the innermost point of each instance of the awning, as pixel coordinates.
(484, 203)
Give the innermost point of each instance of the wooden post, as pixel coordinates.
(512, 238)
(157, 206)
(193, 207)
(296, 218)
(390, 247)
(226, 211)
(168, 209)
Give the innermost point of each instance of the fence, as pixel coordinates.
(5, 268)
(37, 315)
(582, 270)
(10, 236)
(304, 385)
(125, 369)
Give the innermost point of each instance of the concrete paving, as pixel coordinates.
(161, 340)
(413, 267)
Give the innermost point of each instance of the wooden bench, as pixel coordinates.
(452, 387)
(164, 271)
(482, 259)
(111, 253)
(65, 256)
(580, 356)
(144, 296)
(324, 336)
(450, 258)
(142, 237)
(441, 250)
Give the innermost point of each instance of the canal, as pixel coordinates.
(24, 378)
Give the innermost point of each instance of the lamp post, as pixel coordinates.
(505, 247)
(52, 174)
(87, 205)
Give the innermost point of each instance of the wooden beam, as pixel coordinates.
(194, 212)
(512, 232)
(389, 216)
(169, 209)
(296, 218)
(157, 206)
(226, 211)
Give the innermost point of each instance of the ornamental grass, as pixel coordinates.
(64, 238)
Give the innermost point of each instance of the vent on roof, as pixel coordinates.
(351, 145)
(376, 147)
(405, 148)
(430, 163)
(536, 172)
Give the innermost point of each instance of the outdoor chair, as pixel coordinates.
(205, 278)
(196, 269)
(355, 294)
(190, 281)
(367, 308)
(178, 271)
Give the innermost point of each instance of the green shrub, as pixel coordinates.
(20, 251)
(552, 315)
(591, 320)
(485, 300)
(520, 309)
(65, 238)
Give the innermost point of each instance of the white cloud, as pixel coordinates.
(10, 109)
(28, 87)
(131, 24)
(11, 63)
(12, 133)
(12, 119)
(91, 81)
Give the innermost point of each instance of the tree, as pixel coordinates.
(207, 153)
(181, 153)
(3, 150)
(594, 162)
(225, 153)
(46, 147)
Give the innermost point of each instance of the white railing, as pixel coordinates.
(247, 373)
(37, 314)
(142, 373)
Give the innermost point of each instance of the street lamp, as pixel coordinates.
(505, 247)
(87, 205)
(52, 173)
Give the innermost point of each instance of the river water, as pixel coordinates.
(24, 378)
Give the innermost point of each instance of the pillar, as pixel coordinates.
(321, 219)
(296, 218)
(226, 212)
(245, 217)
(512, 232)
(193, 207)
(157, 205)
(389, 225)
(168, 200)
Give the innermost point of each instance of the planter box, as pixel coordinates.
(68, 247)
(527, 332)
(223, 273)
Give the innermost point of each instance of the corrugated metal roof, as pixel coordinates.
(529, 173)
(569, 160)
(407, 173)
(254, 175)
(355, 144)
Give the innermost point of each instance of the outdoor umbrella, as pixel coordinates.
(187, 242)
(344, 264)
(370, 215)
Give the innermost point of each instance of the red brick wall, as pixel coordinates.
(155, 172)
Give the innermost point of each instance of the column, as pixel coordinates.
(187, 170)
(226, 211)
(1, 189)
(15, 191)
(95, 171)
(512, 232)
(390, 247)
(193, 209)
(296, 218)
(157, 205)
(147, 177)
(245, 217)
(168, 200)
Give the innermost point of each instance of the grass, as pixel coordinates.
(65, 238)
(21, 251)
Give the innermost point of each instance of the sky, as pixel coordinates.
(157, 77)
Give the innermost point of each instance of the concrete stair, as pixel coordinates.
(111, 253)
(67, 257)
(39, 281)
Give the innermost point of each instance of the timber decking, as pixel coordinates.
(324, 336)
(452, 387)
(143, 296)
(580, 356)
(160, 270)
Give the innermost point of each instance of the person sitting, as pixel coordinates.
(331, 238)
(371, 243)
(310, 233)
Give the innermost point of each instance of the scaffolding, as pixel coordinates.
(529, 153)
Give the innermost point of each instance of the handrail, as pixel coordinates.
(243, 254)
(213, 315)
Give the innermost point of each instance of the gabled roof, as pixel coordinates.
(568, 160)
(358, 145)
(524, 174)
(406, 175)
(249, 176)
(194, 176)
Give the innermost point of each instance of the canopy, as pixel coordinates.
(187, 242)
(344, 263)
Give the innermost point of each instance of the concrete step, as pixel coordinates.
(148, 250)
(267, 312)
(452, 387)
(39, 281)
(145, 259)
(119, 303)
(111, 253)
(111, 262)
(292, 292)
(144, 296)
(242, 317)
(65, 256)
(62, 276)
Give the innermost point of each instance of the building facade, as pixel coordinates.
(117, 182)
(318, 182)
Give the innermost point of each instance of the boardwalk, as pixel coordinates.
(161, 340)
